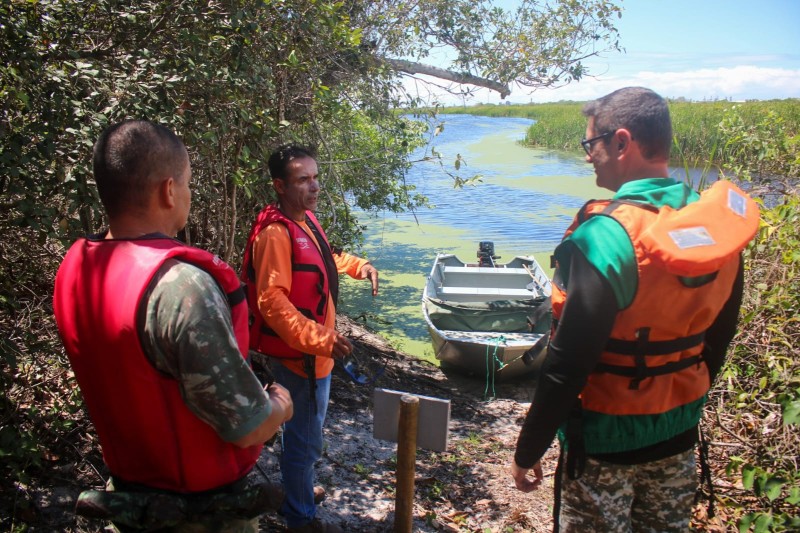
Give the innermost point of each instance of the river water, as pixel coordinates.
(525, 200)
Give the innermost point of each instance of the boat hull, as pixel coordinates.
(487, 356)
(477, 317)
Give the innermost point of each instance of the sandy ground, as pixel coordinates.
(466, 488)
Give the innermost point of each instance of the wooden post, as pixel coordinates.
(406, 463)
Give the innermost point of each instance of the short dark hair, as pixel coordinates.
(280, 158)
(639, 110)
(130, 158)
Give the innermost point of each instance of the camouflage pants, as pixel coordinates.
(649, 497)
(163, 513)
(219, 525)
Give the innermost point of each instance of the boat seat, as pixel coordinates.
(493, 292)
(485, 270)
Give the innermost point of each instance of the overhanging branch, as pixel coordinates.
(411, 67)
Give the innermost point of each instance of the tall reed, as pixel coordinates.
(698, 138)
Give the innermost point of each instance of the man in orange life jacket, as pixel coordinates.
(156, 332)
(292, 278)
(635, 346)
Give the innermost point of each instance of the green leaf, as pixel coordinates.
(744, 522)
(761, 483)
(748, 476)
(763, 522)
(773, 488)
(791, 413)
(794, 496)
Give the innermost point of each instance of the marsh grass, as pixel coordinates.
(700, 140)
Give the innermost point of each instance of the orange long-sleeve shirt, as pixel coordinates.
(272, 261)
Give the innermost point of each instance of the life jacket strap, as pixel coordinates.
(309, 367)
(557, 487)
(576, 450)
(320, 284)
(266, 330)
(649, 347)
(705, 475)
(236, 296)
(650, 371)
(643, 347)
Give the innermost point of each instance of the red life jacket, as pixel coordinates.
(147, 433)
(653, 360)
(313, 278)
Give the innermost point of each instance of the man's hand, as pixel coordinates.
(521, 479)
(341, 346)
(278, 395)
(282, 410)
(371, 273)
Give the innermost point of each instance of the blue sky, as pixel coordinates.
(698, 49)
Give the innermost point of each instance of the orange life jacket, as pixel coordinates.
(652, 362)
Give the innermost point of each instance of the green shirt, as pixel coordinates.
(606, 244)
(188, 335)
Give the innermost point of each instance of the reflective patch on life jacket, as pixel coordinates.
(691, 237)
(737, 203)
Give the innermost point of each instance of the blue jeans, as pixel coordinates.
(301, 444)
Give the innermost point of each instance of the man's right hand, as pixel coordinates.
(341, 347)
(278, 395)
(282, 410)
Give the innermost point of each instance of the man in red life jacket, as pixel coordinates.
(641, 330)
(157, 335)
(291, 274)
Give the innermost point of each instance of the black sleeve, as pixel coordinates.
(583, 330)
(722, 331)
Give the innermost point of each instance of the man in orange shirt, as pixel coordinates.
(292, 277)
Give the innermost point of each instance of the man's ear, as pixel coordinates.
(166, 192)
(623, 139)
(279, 186)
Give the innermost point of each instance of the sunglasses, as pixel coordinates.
(587, 143)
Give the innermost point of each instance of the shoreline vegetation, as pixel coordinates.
(734, 136)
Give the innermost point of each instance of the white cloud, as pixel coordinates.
(737, 83)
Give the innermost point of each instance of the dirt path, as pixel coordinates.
(466, 488)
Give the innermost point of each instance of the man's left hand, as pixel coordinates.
(521, 479)
(371, 273)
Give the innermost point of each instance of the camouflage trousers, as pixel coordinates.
(217, 525)
(129, 511)
(649, 497)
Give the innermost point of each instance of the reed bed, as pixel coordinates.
(704, 132)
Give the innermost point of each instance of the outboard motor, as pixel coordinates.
(486, 255)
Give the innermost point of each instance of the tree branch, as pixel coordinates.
(411, 67)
